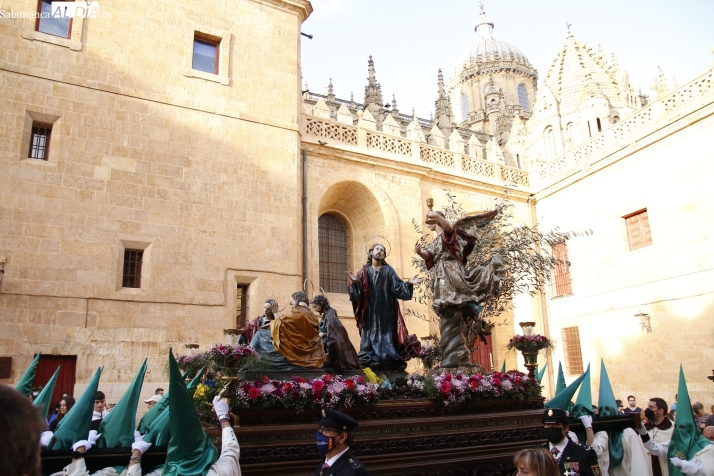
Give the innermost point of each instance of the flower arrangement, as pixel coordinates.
(458, 387)
(230, 356)
(191, 363)
(428, 356)
(530, 343)
(332, 391)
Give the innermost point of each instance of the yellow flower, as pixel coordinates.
(371, 376)
(200, 391)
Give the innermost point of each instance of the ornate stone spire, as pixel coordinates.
(330, 92)
(373, 90)
(484, 27)
(395, 111)
(352, 99)
(373, 94)
(444, 116)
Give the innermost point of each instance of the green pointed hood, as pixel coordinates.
(76, 424)
(24, 386)
(117, 428)
(159, 431)
(150, 416)
(560, 383)
(584, 403)
(607, 407)
(503, 367)
(43, 400)
(190, 451)
(541, 372)
(606, 403)
(687, 439)
(563, 399)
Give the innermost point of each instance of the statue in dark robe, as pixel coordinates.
(291, 341)
(341, 354)
(384, 340)
(459, 290)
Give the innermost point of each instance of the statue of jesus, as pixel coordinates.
(384, 340)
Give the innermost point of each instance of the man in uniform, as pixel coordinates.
(573, 459)
(335, 433)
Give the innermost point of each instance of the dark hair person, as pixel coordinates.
(66, 405)
(535, 462)
(20, 430)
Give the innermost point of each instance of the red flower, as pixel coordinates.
(316, 395)
(327, 378)
(318, 385)
(473, 384)
(478, 377)
(360, 379)
(517, 380)
(265, 379)
(299, 379)
(349, 384)
(287, 386)
(497, 381)
(447, 377)
(459, 377)
(445, 387)
(253, 393)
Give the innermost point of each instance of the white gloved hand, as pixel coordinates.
(45, 438)
(642, 430)
(93, 437)
(138, 436)
(687, 467)
(587, 421)
(140, 444)
(86, 443)
(220, 406)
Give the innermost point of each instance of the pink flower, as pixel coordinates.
(447, 377)
(253, 393)
(517, 380)
(445, 387)
(318, 385)
(497, 381)
(327, 378)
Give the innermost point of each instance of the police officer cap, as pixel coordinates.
(555, 415)
(337, 420)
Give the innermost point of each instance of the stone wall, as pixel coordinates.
(200, 171)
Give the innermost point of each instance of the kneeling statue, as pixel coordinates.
(291, 341)
(341, 354)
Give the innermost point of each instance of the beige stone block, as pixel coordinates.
(102, 172)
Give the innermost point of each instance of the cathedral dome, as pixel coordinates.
(488, 48)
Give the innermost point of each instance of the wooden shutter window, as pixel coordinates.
(572, 351)
(563, 283)
(638, 230)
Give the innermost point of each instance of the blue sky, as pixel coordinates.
(411, 40)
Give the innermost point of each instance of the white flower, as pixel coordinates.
(305, 386)
(506, 384)
(336, 388)
(267, 388)
(360, 387)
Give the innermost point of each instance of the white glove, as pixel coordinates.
(220, 406)
(687, 467)
(45, 438)
(139, 443)
(89, 442)
(642, 430)
(587, 421)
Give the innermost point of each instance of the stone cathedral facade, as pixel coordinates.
(152, 197)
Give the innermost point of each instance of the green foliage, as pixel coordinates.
(526, 252)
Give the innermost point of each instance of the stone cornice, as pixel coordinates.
(302, 7)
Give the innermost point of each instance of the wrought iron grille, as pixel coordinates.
(132, 268)
(333, 254)
(40, 141)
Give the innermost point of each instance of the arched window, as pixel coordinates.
(332, 237)
(464, 107)
(550, 149)
(569, 130)
(493, 103)
(523, 98)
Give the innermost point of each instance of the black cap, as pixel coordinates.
(555, 415)
(337, 420)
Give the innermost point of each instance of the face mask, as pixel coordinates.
(324, 443)
(649, 414)
(554, 435)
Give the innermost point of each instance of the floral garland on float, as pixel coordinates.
(529, 345)
(458, 387)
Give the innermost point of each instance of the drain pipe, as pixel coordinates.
(304, 215)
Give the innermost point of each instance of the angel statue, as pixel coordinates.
(374, 291)
(458, 291)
